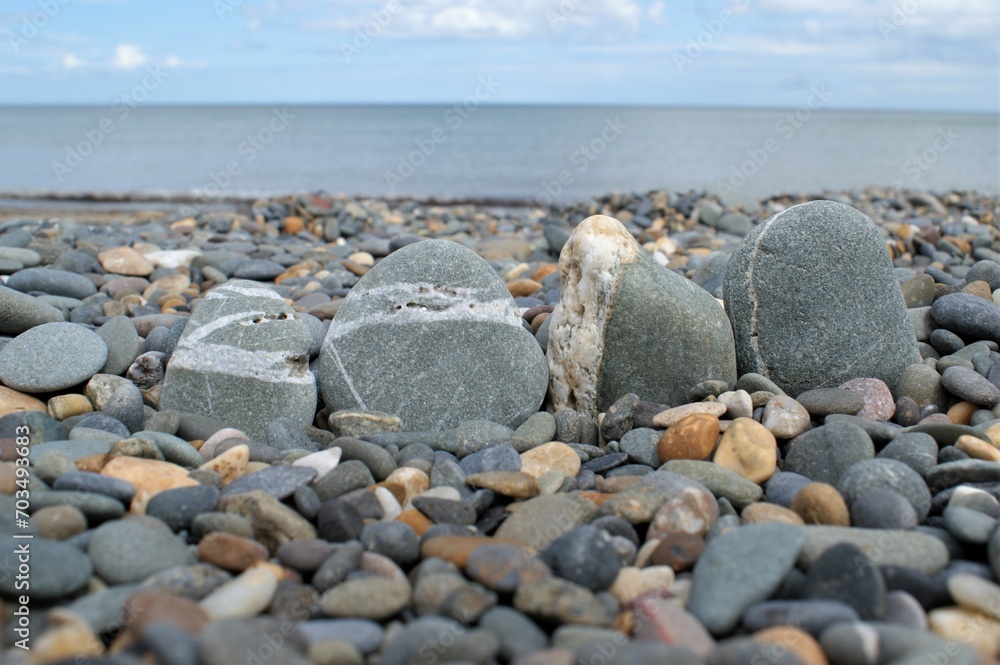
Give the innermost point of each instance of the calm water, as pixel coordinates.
(501, 152)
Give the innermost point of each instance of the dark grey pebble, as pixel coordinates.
(844, 573)
(123, 344)
(501, 457)
(178, 507)
(98, 508)
(970, 386)
(125, 552)
(604, 463)
(126, 406)
(103, 422)
(170, 644)
(86, 481)
(968, 525)
(821, 402)
(619, 417)
(950, 474)
(394, 540)
(305, 554)
(445, 511)
(812, 616)
(345, 559)
(278, 481)
(782, 487)
(968, 315)
(378, 462)
(53, 282)
(338, 522)
(57, 570)
(886, 474)
(641, 446)
(242, 640)
(916, 450)
(366, 636)
(286, 434)
(824, 454)
(307, 502)
(584, 556)
(882, 508)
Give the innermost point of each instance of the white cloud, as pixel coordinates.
(70, 61)
(129, 56)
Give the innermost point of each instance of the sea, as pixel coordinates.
(478, 153)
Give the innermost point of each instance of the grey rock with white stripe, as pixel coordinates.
(432, 335)
(243, 359)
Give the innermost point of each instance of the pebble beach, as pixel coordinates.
(641, 429)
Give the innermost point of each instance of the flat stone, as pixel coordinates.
(949, 474)
(178, 507)
(52, 282)
(821, 402)
(273, 522)
(20, 312)
(883, 547)
(824, 454)
(51, 357)
(539, 521)
(968, 315)
(969, 385)
(886, 474)
(123, 344)
(278, 481)
(720, 481)
(126, 552)
(366, 598)
(242, 359)
(858, 328)
(721, 590)
(406, 304)
(613, 292)
(515, 484)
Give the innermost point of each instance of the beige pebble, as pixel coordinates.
(820, 503)
(633, 582)
(678, 413)
(62, 407)
(514, 484)
(976, 448)
(975, 593)
(150, 477)
(748, 449)
(412, 480)
(125, 261)
(246, 596)
(738, 404)
(211, 443)
(12, 401)
(762, 513)
(230, 465)
(552, 456)
(976, 629)
(784, 417)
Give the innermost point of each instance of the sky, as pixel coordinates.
(878, 54)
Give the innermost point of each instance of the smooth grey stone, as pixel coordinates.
(379, 462)
(97, 507)
(782, 487)
(41, 427)
(347, 476)
(193, 582)
(86, 481)
(57, 570)
(103, 609)
(261, 270)
(722, 589)
(812, 616)
(843, 573)
(917, 450)
(99, 422)
(923, 324)
(950, 474)
(171, 645)
(968, 315)
(753, 382)
(366, 636)
(123, 344)
(882, 508)
(243, 360)
(821, 402)
(278, 481)
(913, 549)
(394, 540)
(229, 641)
(969, 385)
(918, 291)
(824, 454)
(178, 507)
(968, 525)
(720, 481)
(73, 449)
(210, 522)
(890, 643)
(880, 432)
(439, 640)
(945, 434)
(405, 307)
(619, 416)
(614, 293)
(52, 282)
(811, 320)
(173, 448)
(501, 457)
(539, 428)
(886, 474)
(126, 552)
(516, 633)
(945, 342)
(20, 312)
(641, 445)
(903, 609)
(584, 556)
(922, 384)
(51, 357)
(126, 406)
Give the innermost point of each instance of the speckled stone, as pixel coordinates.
(243, 359)
(859, 328)
(406, 306)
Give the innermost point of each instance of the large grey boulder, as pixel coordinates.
(432, 335)
(813, 301)
(625, 324)
(243, 359)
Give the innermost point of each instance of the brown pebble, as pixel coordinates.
(979, 288)
(762, 513)
(820, 503)
(961, 413)
(692, 438)
(523, 287)
(59, 522)
(231, 552)
(678, 550)
(798, 642)
(457, 549)
(146, 607)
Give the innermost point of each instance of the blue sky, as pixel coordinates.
(879, 54)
